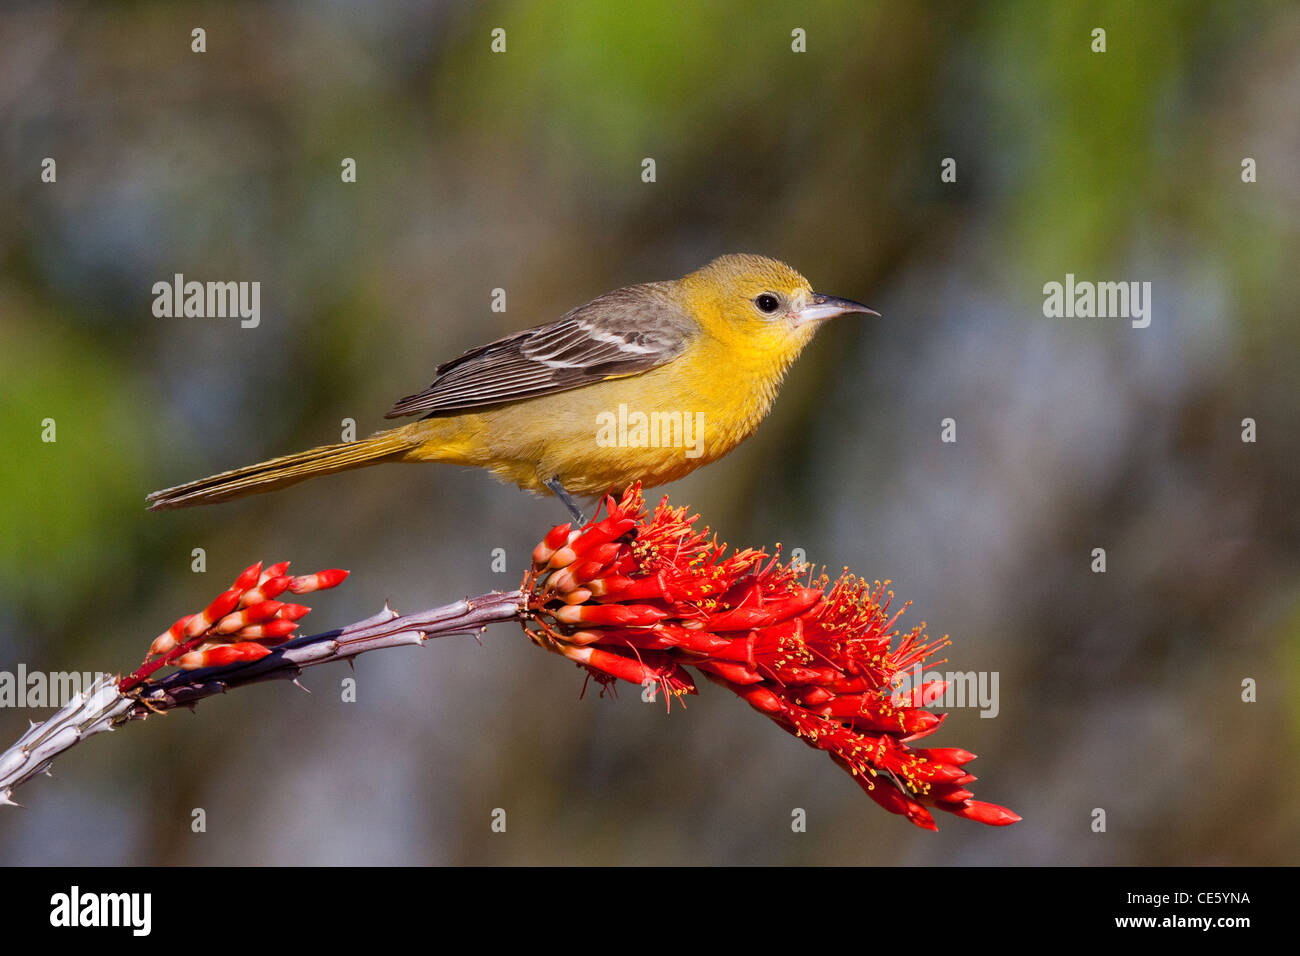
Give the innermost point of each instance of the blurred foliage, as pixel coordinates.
(66, 499)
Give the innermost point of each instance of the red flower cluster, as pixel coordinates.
(638, 599)
(242, 624)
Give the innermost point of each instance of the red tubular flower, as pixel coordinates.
(638, 598)
(220, 655)
(241, 625)
(272, 632)
(266, 590)
(320, 581)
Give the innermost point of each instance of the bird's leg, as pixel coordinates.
(557, 489)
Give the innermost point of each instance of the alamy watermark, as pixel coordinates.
(75, 908)
(208, 300)
(1100, 300)
(638, 429)
(952, 689)
(24, 688)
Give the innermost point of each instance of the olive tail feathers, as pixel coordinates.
(281, 472)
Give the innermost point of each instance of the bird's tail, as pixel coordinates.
(280, 472)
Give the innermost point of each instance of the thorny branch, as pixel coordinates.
(103, 707)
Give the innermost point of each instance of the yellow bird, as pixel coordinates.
(645, 383)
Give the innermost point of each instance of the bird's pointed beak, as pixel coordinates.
(822, 307)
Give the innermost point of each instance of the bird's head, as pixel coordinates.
(760, 303)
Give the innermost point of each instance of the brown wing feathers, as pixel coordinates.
(625, 332)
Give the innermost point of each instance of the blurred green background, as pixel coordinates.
(522, 170)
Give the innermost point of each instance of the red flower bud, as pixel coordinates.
(989, 813)
(223, 605)
(274, 571)
(952, 755)
(616, 615)
(249, 615)
(293, 612)
(169, 639)
(265, 591)
(248, 578)
(555, 539)
(221, 656)
(271, 633)
(319, 581)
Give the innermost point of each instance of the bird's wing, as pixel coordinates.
(624, 332)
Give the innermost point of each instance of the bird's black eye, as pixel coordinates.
(767, 302)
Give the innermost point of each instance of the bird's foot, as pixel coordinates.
(557, 489)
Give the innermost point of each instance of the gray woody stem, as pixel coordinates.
(100, 707)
